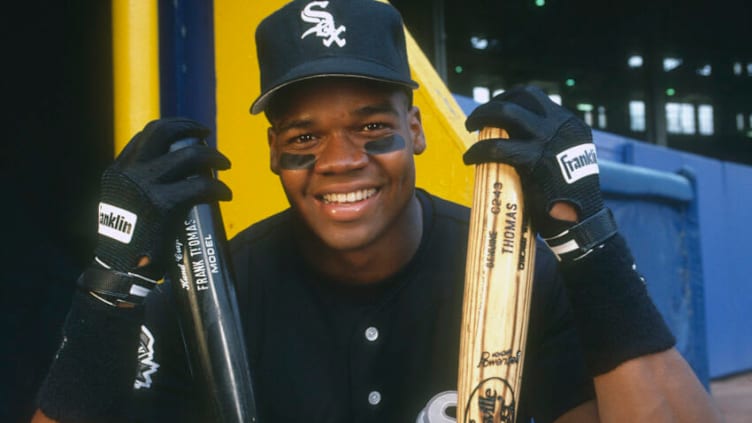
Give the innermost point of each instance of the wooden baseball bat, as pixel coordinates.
(498, 288)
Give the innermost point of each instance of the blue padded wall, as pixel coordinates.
(724, 201)
(656, 213)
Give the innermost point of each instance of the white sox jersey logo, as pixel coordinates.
(578, 162)
(146, 364)
(436, 409)
(325, 27)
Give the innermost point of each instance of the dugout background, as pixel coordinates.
(58, 137)
(57, 132)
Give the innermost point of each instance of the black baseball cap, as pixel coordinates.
(349, 38)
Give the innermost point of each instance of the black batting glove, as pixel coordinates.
(145, 194)
(553, 152)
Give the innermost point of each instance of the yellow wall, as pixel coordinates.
(135, 59)
(242, 137)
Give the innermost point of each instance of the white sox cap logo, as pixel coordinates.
(325, 26)
(578, 162)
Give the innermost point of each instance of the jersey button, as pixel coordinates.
(374, 398)
(372, 334)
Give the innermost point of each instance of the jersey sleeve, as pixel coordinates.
(163, 388)
(555, 378)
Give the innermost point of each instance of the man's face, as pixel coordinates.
(343, 149)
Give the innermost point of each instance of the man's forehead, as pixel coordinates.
(362, 97)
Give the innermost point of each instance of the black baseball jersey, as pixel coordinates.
(322, 351)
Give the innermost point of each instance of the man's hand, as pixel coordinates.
(626, 344)
(144, 194)
(553, 151)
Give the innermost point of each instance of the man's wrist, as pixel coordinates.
(582, 238)
(113, 287)
(91, 377)
(615, 317)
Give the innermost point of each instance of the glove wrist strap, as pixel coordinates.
(114, 287)
(579, 240)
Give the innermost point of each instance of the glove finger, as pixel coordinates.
(527, 96)
(518, 121)
(193, 160)
(523, 155)
(157, 136)
(537, 100)
(184, 194)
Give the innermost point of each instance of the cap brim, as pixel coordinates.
(332, 67)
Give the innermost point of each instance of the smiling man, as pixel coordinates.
(344, 153)
(351, 298)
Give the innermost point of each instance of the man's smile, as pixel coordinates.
(348, 197)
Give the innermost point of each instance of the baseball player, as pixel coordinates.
(351, 298)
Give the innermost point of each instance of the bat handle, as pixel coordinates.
(488, 132)
(560, 210)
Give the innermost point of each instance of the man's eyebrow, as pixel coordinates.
(293, 124)
(373, 109)
(365, 111)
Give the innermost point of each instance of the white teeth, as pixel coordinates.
(349, 197)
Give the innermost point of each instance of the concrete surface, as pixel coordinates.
(733, 395)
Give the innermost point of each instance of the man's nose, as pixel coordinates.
(341, 153)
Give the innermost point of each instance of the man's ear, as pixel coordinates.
(415, 124)
(271, 138)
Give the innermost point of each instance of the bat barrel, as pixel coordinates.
(496, 302)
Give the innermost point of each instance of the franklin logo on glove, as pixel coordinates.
(116, 223)
(578, 162)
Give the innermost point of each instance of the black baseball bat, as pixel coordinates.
(204, 293)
